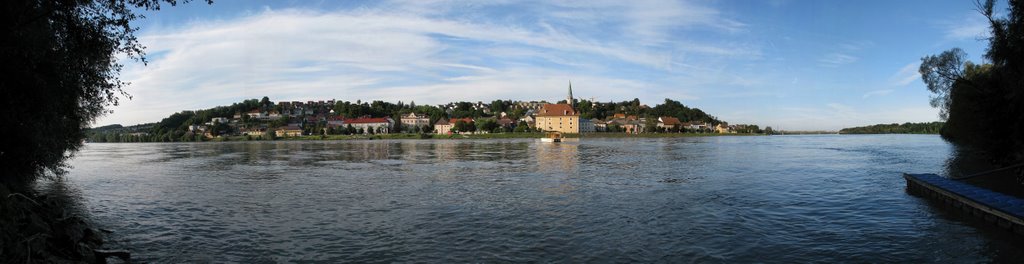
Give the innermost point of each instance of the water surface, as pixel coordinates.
(709, 199)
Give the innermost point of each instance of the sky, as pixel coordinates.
(792, 65)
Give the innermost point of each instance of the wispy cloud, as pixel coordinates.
(877, 93)
(971, 27)
(414, 53)
(836, 59)
(907, 74)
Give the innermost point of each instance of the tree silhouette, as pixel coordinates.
(60, 72)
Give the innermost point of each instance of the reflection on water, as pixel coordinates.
(735, 199)
(973, 167)
(558, 161)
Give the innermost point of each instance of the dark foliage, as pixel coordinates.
(984, 104)
(60, 73)
(905, 128)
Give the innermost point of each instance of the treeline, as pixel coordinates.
(905, 128)
(670, 108)
(175, 128)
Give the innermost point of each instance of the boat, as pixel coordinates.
(552, 137)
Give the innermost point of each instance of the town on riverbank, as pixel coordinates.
(333, 119)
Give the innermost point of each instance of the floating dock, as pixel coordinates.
(997, 208)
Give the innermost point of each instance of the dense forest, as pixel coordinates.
(905, 128)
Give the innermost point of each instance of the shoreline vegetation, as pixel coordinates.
(409, 136)
(894, 128)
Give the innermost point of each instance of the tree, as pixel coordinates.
(60, 67)
(218, 128)
(486, 125)
(651, 125)
(983, 105)
(939, 73)
(265, 103)
(270, 134)
(461, 126)
(522, 127)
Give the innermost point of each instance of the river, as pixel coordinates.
(822, 198)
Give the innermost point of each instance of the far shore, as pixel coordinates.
(469, 136)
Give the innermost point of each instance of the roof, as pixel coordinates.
(442, 122)
(670, 121)
(290, 127)
(465, 119)
(413, 115)
(366, 120)
(556, 110)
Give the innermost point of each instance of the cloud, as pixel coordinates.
(907, 74)
(877, 93)
(415, 53)
(971, 27)
(836, 59)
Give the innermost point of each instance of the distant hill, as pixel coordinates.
(905, 128)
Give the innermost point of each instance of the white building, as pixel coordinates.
(413, 120)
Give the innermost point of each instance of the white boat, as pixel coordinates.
(552, 137)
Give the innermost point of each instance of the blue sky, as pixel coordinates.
(793, 65)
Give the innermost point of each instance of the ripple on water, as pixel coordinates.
(731, 199)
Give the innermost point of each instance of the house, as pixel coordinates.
(196, 128)
(367, 124)
(528, 119)
(722, 128)
(668, 122)
(253, 132)
(443, 127)
(506, 122)
(255, 113)
(291, 130)
(633, 126)
(218, 120)
(412, 120)
(335, 121)
(587, 126)
(696, 125)
(558, 118)
(599, 126)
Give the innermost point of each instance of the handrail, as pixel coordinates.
(990, 171)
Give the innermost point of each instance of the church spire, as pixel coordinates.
(569, 101)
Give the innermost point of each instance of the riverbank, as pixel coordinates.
(479, 136)
(45, 227)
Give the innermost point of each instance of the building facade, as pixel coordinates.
(412, 120)
(558, 118)
(377, 125)
(442, 127)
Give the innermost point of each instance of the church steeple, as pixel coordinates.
(569, 100)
